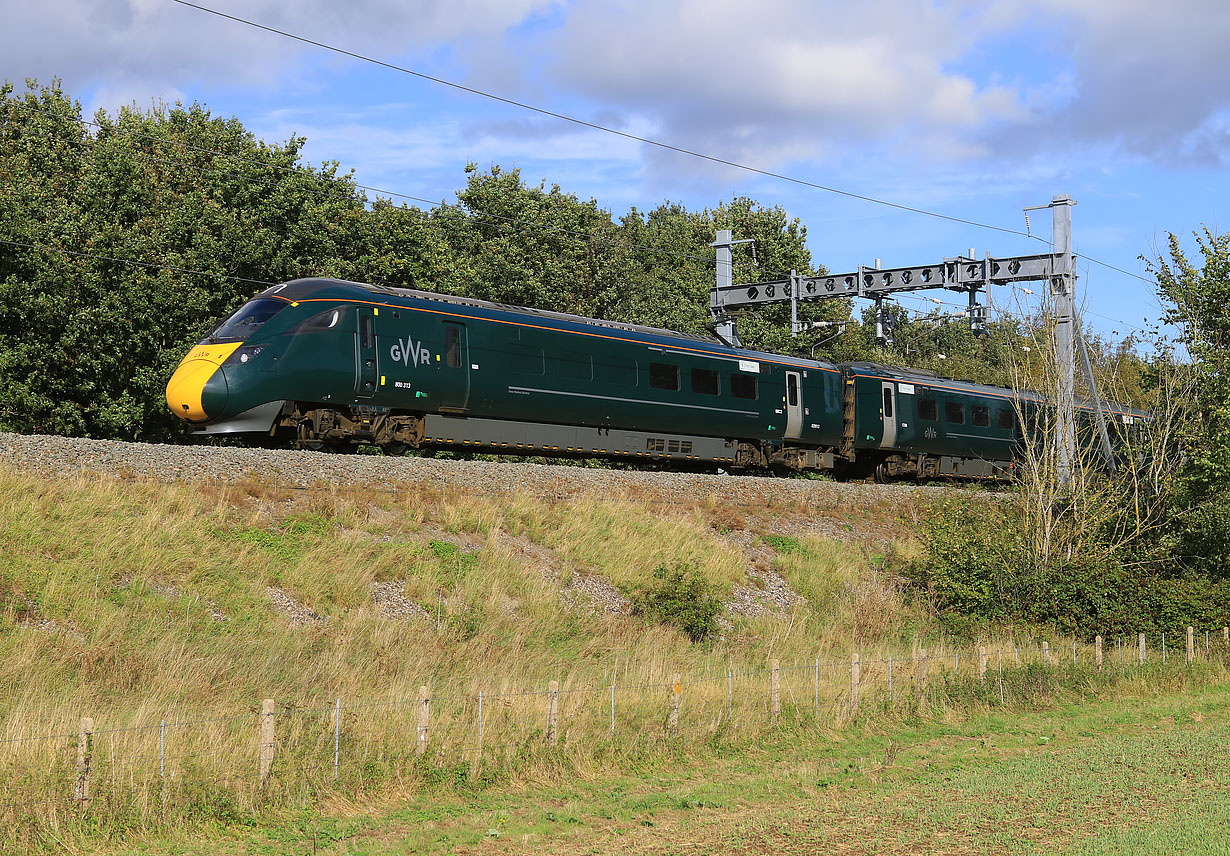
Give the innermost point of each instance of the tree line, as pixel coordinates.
(127, 235)
(124, 237)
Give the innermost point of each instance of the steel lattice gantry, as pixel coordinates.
(960, 274)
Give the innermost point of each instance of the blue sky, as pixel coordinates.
(972, 109)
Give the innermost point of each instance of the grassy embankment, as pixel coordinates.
(154, 603)
(1141, 774)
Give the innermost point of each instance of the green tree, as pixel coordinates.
(1197, 302)
(127, 206)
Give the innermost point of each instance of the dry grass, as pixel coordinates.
(133, 603)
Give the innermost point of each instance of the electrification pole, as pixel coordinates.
(1063, 290)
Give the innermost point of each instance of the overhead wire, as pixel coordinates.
(603, 128)
(311, 174)
(330, 187)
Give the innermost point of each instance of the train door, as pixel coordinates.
(794, 407)
(365, 353)
(888, 410)
(455, 365)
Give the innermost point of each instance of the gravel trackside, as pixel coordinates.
(69, 456)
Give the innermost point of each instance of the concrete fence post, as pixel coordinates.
(1097, 651)
(1225, 635)
(424, 721)
(856, 676)
(85, 755)
(267, 738)
(1141, 642)
(775, 692)
(1191, 645)
(982, 664)
(553, 713)
(1046, 653)
(922, 671)
(672, 723)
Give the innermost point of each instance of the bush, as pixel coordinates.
(979, 567)
(681, 597)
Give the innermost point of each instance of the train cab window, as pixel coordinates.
(664, 376)
(706, 382)
(928, 409)
(452, 346)
(743, 386)
(576, 366)
(954, 412)
(250, 318)
(981, 416)
(888, 403)
(624, 374)
(1005, 419)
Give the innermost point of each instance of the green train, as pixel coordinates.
(333, 364)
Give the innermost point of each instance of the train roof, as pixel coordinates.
(927, 378)
(303, 289)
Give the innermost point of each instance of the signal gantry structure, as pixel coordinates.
(967, 274)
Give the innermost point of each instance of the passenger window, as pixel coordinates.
(1005, 419)
(576, 366)
(954, 412)
(888, 403)
(526, 359)
(928, 409)
(705, 382)
(743, 386)
(452, 346)
(664, 376)
(622, 373)
(981, 416)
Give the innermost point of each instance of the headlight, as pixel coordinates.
(244, 355)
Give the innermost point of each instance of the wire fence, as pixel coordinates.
(148, 773)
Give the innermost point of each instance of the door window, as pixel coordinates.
(452, 346)
(888, 402)
(792, 390)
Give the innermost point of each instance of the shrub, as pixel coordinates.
(681, 597)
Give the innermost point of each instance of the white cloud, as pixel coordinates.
(159, 49)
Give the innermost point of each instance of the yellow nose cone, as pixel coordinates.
(188, 383)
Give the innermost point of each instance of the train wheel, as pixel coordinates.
(394, 450)
(307, 439)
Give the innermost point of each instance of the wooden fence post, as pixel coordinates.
(922, 671)
(672, 723)
(775, 692)
(1097, 651)
(553, 713)
(1142, 648)
(85, 754)
(267, 738)
(1046, 653)
(1191, 645)
(982, 664)
(856, 675)
(424, 721)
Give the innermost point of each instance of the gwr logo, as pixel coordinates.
(407, 350)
